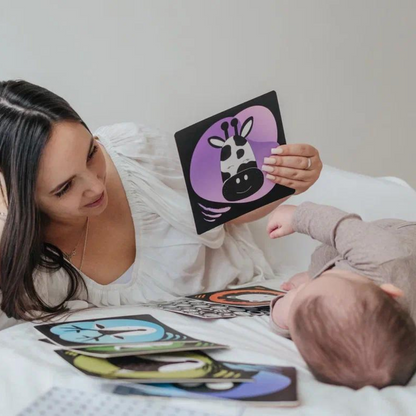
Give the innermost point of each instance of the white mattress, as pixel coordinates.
(29, 368)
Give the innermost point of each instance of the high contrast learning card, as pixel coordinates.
(179, 367)
(147, 349)
(271, 386)
(209, 310)
(246, 297)
(222, 157)
(111, 331)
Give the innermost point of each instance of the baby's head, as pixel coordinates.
(350, 331)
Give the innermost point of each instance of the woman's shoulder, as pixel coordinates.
(153, 148)
(153, 152)
(117, 134)
(134, 138)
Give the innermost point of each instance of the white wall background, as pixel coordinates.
(344, 70)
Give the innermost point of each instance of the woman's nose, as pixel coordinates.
(95, 185)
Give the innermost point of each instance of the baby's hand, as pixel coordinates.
(295, 281)
(280, 221)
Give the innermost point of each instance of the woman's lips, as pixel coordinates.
(97, 202)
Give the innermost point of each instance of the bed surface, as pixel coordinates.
(29, 368)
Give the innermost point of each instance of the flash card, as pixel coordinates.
(246, 297)
(180, 367)
(272, 386)
(209, 310)
(222, 157)
(121, 330)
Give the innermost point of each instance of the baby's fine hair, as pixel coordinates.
(373, 343)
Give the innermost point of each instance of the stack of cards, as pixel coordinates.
(129, 348)
(224, 304)
(141, 349)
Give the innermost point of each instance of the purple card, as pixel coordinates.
(221, 159)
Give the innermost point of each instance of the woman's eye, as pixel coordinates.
(93, 152)
(64, 190)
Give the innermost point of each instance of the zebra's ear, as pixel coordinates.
(217, 142)
(246, 128)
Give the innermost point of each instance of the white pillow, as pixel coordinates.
(371, 198)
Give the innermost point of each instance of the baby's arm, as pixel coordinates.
(365, 246)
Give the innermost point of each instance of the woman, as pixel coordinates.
(105, 218)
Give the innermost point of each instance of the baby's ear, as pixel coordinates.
(392, 290)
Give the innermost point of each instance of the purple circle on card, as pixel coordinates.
(205, 170)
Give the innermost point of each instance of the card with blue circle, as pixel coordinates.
(122, 330)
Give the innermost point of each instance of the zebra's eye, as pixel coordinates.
(238, 180)
(245, 177)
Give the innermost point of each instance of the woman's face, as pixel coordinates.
(71, 182)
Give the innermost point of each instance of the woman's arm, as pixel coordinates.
(296, 166)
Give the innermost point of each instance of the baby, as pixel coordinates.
(352, 314)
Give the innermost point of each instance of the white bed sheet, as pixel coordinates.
(29, 368)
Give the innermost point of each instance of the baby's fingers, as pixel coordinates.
(277, 232)
(273, 223)
(286, 286)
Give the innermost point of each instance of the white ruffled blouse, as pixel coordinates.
(171, 259)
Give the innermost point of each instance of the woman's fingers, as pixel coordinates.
(297, 149)
(294, 162)
(296, 166)
(289, 173)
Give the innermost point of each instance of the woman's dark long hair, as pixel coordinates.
(27, 116)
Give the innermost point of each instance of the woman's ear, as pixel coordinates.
(392, 290)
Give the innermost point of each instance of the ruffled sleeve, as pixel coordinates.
(157, 171)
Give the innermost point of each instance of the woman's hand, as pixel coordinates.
(296, 166)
